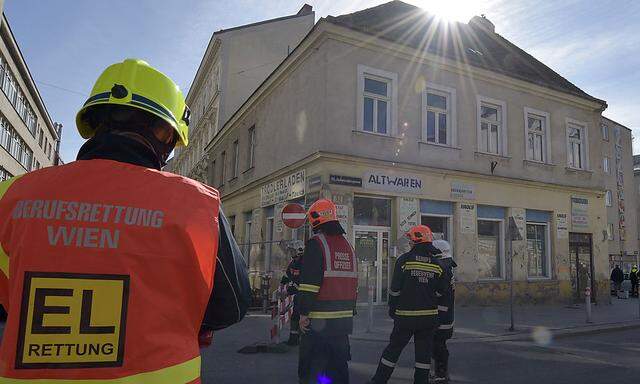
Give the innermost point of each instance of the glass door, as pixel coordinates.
(372, 252)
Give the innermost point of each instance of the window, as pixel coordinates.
(246, 248)
(605, 132)
(576, 147)
(4, 174)
(252, 147)
(605, 165)
(49, 151)
(610, 231)
(491, 126)
(235, 159)
(490, 249)
(537, 135)
(41, 137)
(376, 100)
(372, 211)
(537, 250)
(232, 223)
(223, 162)
(608, 198)
(438, 117)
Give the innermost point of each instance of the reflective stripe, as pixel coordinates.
(394, 293)
(309, 288)
(422, 266)
(423, 312)
(181, 373)
(446, 326)
(438, 294)
(423, 365)
(294, 333)
(4, 258)
(387, 362)
(330, 314)
(326, 252)
(443, 308)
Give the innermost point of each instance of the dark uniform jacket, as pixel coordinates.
(292, 275)
(418, 279)
(446, 302)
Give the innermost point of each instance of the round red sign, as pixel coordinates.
(293, 215)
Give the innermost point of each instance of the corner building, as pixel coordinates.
(401, 119)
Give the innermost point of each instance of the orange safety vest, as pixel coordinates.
(338, 291)
(106, 271)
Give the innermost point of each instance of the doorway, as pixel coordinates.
(581, 265)
(372, 250)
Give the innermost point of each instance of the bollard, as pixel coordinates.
(587, 295)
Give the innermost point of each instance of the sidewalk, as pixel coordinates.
(538, 323)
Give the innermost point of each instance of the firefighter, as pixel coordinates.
(292, 280)
(327, 299)
(446, 304)
(418, 279)
(634, 277)
(109, 251)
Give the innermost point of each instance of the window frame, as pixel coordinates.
(547, 234)
(610, 234)
(502, 243)
(503, 126)
(584, 140)
(546, 133)
(604, 131)
(452, 124)
(392, 113)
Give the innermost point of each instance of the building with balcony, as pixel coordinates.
(29, 139)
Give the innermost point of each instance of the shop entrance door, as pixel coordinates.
(581, 265)
(372, 251)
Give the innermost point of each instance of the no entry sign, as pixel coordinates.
(293, 215)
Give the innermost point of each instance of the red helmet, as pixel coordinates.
(322, 211)
(420, 234)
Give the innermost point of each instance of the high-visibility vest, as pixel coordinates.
(338, 291)
(106, 271)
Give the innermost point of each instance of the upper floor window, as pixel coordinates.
(376, 100)
(576, 145)
(235, 159)
(4, 174)
(252, 147)
(606, 167)
(223, 163)
(491, 126)
(438, 120)
(608, 198)
(605, 132)
(537, 135)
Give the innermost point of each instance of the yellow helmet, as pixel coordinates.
(136, 84)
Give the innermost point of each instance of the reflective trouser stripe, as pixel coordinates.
(423, 366)
(425, 312)
(443, 308)
(182, 373)
(446, 326)
(309, 288)
(4, 258)
(330, 314)
(394, 293)
(386, 362)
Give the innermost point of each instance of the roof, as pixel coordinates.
(304, 11)
(411, 26)
(615, 122)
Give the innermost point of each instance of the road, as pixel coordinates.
(601, 358)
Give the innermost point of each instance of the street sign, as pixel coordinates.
(293, 215)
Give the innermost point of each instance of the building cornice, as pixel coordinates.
(211, 55)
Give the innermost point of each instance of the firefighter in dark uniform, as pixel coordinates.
(445, 315)
(418, 279)
(292, 280)
(328, 289)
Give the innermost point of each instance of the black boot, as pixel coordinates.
(442, 374)
(383, 374)
(293, 339)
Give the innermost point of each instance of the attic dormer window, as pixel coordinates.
(474, 52)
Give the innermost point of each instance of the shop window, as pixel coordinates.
(372, 211)
(439, 225)
(490, 249)
(246, 248)
(537, 250)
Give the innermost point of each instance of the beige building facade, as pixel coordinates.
(235, 62)
(399, 132)
(29, 139)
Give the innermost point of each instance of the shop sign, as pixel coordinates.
(467, 218)
(562, 226)
(462, 191)
(345, 180)
(392, 182)
(579, 213)
(314, 181)
(287, 188)
(408, 211)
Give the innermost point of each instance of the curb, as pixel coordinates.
(557, 333)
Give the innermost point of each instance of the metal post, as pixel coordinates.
(587, 299)
(512, 327)
(369, 302)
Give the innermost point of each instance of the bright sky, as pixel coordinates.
(594, 44)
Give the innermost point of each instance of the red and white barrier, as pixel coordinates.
(281, 313)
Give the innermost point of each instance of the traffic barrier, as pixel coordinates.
(281, 313)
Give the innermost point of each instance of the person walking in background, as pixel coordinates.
(617, 276)
(633, 276)
(418, 280)
(292, 280)
(446, 304)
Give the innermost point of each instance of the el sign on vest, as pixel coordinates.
(72, 320)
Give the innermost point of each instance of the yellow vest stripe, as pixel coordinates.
(422, 266)
(309, 288)
(330, 314)
(4, 258)
(182, 373)
(424, 312)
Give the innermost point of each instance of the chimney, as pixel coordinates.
(305, 10)
(483, 23)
